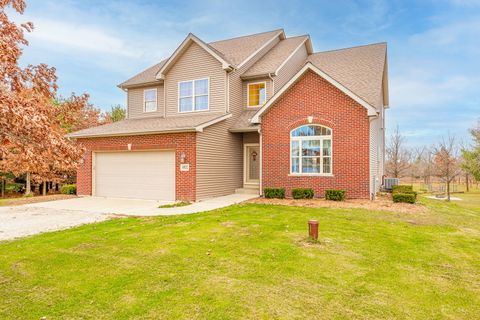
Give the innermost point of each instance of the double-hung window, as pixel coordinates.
(150, 100)
(256, 94)
(311, 150)
(193, 95)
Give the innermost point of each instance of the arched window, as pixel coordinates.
(311, 150)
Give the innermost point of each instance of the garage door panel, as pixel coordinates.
(141, 175)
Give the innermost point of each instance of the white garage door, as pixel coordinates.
(136, 175)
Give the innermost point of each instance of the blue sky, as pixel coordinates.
(433, 46)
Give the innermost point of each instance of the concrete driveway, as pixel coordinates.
(29, 219)
(21, 221)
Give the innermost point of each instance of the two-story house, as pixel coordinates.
(246, 113)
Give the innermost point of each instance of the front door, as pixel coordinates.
(252, 164)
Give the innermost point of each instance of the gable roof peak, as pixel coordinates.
(280, 30)
(183, 46)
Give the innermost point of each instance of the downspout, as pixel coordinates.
(261, 160)
(227, 93)
(126, 104)
(165, 98)
(273, 83)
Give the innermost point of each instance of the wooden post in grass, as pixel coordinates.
(313, 229)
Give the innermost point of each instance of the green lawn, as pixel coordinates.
(252, 262)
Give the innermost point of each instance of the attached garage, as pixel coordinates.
(134, 174)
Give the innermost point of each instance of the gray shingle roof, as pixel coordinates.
(243, 124)
(270, 62)
(146, 76)
(148, 126)
(234, 50)
(360, 69)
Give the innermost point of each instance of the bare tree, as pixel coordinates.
(398, 157)
(447, 161)
(426, 165)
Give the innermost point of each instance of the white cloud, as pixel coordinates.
(412, 91)
(370, 19)
(81, 37)
(457, 36)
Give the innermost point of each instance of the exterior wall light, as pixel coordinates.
(182, 157)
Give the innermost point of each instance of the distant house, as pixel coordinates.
(246, 113)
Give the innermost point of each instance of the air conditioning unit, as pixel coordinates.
(390, 182)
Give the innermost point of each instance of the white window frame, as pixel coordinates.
(156, 100)
(248, 94)
(305, 138)
(193, 95)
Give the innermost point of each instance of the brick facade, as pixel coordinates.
(314, 96)
(180, 142)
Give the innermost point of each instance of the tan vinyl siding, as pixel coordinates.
(219, 152)
(268, 86)
(135, 103)
(219, 161)
(291, 67)
(196, 63)
(236, 84)
(251, 137)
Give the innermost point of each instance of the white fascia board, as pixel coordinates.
(280, 33)
(290, 56)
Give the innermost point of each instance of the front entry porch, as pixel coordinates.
(251, 163)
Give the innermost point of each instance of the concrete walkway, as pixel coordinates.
(134, 207)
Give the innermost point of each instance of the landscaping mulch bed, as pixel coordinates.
(381, 203)
(35, 199)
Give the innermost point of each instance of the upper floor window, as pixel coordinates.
(257, 94)
(193, 95)
(150, 100)
(311, 150)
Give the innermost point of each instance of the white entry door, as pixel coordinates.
(135, 174)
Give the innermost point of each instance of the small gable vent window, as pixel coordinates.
(193, 95)
(311, 150)
(150, 100)
(256, 94)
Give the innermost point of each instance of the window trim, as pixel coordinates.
(248, 94)
(193, 96)
(156, 100)
(304, 138)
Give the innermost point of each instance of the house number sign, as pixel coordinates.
(185, 167)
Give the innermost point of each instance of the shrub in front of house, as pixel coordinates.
(404, 197)
(404, 193)
(69, 189)
(335, 194)
(302, 193)
(271, 193)
(401, 188)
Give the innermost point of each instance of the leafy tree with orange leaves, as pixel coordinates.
(32, 126)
